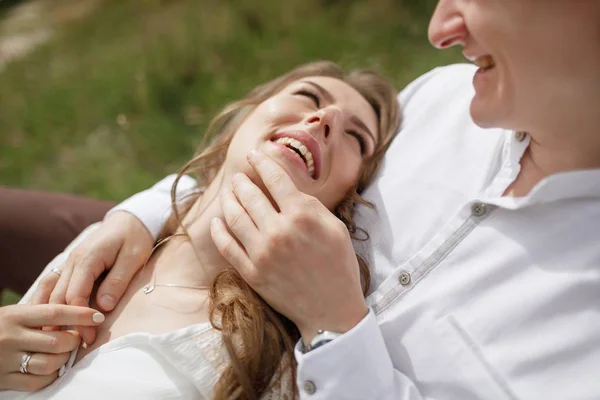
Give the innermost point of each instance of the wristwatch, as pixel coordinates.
(321, 338)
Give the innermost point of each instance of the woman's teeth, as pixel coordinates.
(298, 147)
(485, 62)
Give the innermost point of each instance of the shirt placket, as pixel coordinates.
(468, 217)
(408, 275)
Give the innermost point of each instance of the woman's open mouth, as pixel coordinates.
(303, 148)
(300, 151)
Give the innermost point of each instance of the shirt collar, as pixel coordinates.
(577, 184)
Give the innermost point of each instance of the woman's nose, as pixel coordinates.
(323, 120)
(447, 26)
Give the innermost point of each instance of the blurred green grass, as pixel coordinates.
(9, 297)
(120, 97)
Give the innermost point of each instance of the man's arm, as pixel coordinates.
(356, 365)
(153, 206)
(120, 246)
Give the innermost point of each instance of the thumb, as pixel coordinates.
(118, 279)
(83, 277)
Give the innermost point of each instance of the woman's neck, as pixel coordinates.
(194, 261)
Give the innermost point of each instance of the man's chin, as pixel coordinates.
(483, 116)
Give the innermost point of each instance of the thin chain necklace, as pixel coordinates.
(149, 288)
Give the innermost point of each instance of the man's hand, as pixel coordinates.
(19, 333)
(119, 246)
(299, 259)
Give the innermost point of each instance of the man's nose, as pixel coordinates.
(447, 26)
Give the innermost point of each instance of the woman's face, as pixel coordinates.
(534, 56)
(318, 129)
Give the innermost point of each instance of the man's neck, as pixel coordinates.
(545, 158)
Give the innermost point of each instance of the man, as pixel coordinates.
(484, 240)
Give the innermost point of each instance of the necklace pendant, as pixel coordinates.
(148, 288)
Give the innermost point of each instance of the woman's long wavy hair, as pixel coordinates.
(260, 341)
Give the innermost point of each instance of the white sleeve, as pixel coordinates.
(355, 366)
(153, 206)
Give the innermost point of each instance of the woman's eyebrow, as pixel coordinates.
(330, 99)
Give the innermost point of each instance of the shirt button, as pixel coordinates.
(310, 387)
(404, 278)
(478, 209)
(520, 136)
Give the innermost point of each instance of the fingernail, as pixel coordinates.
(98, 318)
(252, 154)
(108, 302)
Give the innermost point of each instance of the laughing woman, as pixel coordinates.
(189, 326)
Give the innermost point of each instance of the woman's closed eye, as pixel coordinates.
(310, 95)
(360, 139)
(315, 99)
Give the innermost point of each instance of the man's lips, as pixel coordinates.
(309, 142)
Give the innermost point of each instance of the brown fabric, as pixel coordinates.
(36, 226)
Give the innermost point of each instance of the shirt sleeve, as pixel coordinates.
(354, 366)
(153, 206)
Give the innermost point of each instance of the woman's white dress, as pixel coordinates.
(182, 364)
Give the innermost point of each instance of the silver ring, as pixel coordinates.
(25, 363)
(56, 271)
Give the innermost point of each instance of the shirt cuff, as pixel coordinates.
(153, 206)
(355, 365)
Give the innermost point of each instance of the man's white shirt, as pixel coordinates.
(474, 295)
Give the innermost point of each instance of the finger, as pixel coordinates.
(254, 201)
(279, 184)
(56, 315)
(27, 382)
(46, 364)
(237, 218)
(55, 342)
(58, 294)
(118, 279)
(44, 288)
(88, 333)
(82, 278)
(229, 248)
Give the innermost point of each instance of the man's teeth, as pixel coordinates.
(306, 154)
(485, 62)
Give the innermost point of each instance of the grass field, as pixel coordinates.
(120, 96)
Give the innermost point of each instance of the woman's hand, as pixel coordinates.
(120, 246)
(20, 334)
(299, 259)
